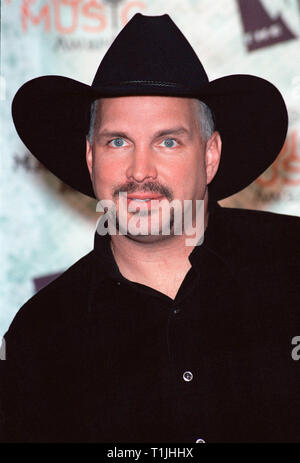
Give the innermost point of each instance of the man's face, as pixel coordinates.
(150, 147)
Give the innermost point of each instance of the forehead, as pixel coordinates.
(146, 108)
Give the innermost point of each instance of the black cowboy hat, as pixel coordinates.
(150, 56)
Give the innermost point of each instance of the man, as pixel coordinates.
(147, 339)
(162, 153)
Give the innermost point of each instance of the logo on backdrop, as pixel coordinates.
(69, 16)
(261, 29)
(78, 24)
(285, 170)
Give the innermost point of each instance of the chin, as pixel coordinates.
(148, 239)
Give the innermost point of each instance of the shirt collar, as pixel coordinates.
(105, 258)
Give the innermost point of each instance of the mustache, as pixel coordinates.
(153, 187)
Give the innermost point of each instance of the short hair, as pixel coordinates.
(206, 120)
(93, 113)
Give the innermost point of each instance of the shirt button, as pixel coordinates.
(187, 376)
(200, 441)
(176, 311)
(118, 283)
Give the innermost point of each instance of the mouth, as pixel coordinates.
(143, 198)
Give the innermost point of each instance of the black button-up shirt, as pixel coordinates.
(133, 365)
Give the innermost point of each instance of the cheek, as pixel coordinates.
(106, 174)
(184, 175)
(194, 178)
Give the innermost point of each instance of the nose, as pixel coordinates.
(142, 164)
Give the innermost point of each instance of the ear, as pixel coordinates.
(213, 155)
(89, 157)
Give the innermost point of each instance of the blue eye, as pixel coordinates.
(117, 142)
(169, 142)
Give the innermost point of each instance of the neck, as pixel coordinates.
(153, 263)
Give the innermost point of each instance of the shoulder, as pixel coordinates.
(57, 305)
(262, 252)
(257, 235)
(266, 221)
(250, 238)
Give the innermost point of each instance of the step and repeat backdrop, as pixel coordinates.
(45, 225)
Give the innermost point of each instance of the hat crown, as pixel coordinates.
(151, 49)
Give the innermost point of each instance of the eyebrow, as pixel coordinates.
(172, 131)
(158, 134)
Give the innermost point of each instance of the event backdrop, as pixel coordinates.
(45, 225)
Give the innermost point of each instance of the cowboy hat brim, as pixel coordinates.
(52, 113)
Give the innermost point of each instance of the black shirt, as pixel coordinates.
(96, 357)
